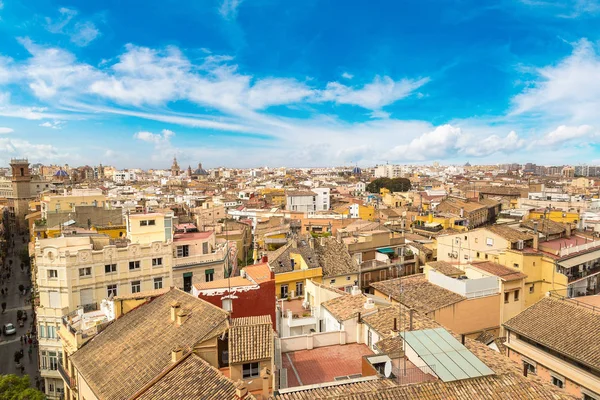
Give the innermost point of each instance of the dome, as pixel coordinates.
(200, 170)
(61, 174)
(356, 171)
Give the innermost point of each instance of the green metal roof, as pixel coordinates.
(446, 356)
(386, 250)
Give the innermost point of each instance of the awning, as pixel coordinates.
(386, 250)
(209, 271)
(572, 262)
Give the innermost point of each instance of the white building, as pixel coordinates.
(388, 171)
(301, 201)
(323, 201)
(124, 176)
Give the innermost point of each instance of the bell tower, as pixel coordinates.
(21, 181)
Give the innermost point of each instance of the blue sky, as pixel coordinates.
(245, 83)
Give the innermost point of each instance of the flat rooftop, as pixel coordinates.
(324, 364)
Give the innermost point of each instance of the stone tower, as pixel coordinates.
(21, 181)
(175, 167)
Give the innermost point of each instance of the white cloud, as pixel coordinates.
(347, 75)
(81, 33)
(448, 141)
(4, 130)
(582, 134)
(84, 33)
(379, 93)
(228, 8)
(569, 89)
(155, 138)
(12, 147)
(56, 124)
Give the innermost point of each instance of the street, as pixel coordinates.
(15, 301)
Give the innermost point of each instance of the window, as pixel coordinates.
(109, 268)
(111, 290)
(158, 284)
(486, 256)
(143, 223)
(588, 397)
(87, 271)
(205, 248)
(51, 332)
(157, 262)
(44, 360)
(531, 288)
(347, 278)
(478, 256)
(516, 295)
(151, 222)
(209, 275)
(299, 288)
(506, 297)
(489, 242)
(331, 282)
(250, 370)
(557, 382)
(369, 338)
(284, 291)
(52, 274)
(135, 287)
(515, 265)
(52, 361)
(134, 265)
(530, 367)
(42, 331)
(183, 251)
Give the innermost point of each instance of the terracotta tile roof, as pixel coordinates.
(259, 273)
(545, 226)
(493, 387)
(279, 260)
(418, 293)
(250, 339)
(445, 268)
(505, 273)
(508, 233)
(457, 204)
(136, 348)
(336, 388)
(142, 295)
(192, 378)
(345, 307)
(563, 327)
(382, 320)
(391, 346)
(335, 258)
(499, 190)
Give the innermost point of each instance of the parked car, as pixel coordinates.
(9, 329)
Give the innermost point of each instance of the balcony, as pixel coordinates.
(70, 382)
(199, 259)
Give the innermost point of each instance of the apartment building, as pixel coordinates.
(77, 272)
(66, 202)
(301, 201)
(557, 341)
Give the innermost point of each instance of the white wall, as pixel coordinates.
(323, 202)
(466, 287)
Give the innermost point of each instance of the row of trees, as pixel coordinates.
(392, 184)
(13, 387)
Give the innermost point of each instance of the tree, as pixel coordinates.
(13, 387)
(393, 185)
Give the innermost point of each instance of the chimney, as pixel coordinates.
(568, 232)
(311, 242)
(174, 310)
(462, 212)
(294, 244)
(182, 316)
(241, 391)
(369, 304)
(410, 323)
(535, 227)
(176, 354)
(355, 291)
(536, 241)
(265, 374)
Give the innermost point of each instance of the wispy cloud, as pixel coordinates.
(347, 75)
(56, 124)
(4, 130)
(81, 33)
(228, 8)
(155, 138)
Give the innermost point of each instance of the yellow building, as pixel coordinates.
(68, 202)
(112, 231)
(293, 264)
(148, 228)
(434, 223)
(555, 216)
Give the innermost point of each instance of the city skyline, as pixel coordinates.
(259, 83)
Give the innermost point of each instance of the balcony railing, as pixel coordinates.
(65, 375)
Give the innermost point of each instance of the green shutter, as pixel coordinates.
(209, 271)
(187, 274)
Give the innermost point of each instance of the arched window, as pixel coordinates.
(22, 171)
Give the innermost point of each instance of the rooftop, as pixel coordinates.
(345, 307)
(334, 257)
(563, 327)
(250, 339)
(445, 268)
(138, 345)
(192, 235)
(324, 364)
(508, 233)
(505, 273)
(418, 293)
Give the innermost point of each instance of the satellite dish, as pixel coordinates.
(387, 370)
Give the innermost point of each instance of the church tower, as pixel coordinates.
(175, 168)
(21, 181)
